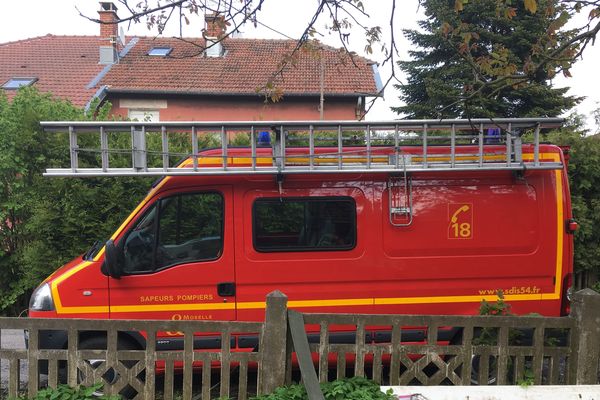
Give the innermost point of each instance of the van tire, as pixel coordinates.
(492, 370)
(99, 343)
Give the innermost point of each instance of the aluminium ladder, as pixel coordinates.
(291, 147)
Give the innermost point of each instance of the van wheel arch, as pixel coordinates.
(134, 339)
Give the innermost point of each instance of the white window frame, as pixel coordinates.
(144, 115)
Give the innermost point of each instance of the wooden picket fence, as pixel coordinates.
(390, 349)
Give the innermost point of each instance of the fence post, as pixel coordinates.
(272, 348)
(586, 341)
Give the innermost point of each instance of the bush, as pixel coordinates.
(64, 392)
(45, 222)
(356, 388)
(584, 181)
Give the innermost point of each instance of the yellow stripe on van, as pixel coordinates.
(324, 158)
(306, 303)
(173, 307)
(331, 303)
(455, 299)
(55, 282)
(555, 157)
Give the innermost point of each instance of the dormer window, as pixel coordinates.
(160, 51)
(15, 83)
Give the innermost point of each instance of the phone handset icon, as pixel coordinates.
(454, 218)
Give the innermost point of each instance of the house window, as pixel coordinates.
(15, 83)
(144, 115)
(304, 224)
(160, 51)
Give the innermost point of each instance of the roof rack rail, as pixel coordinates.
(110, 148)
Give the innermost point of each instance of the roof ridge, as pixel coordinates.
(328, 48)
(200, 37)
(48, 36)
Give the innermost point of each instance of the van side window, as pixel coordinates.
(304, 224)
(176, 230)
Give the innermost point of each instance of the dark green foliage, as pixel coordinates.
(489, 336)
(584, 181)
(45, 222)
(64, 392)
(500, 307)
(356, 388)
(440, 81)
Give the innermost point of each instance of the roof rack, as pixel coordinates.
(109, 148)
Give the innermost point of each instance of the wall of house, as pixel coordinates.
(229, 108)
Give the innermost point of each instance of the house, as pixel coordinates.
(193, 79)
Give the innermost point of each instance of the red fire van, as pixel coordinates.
(411, 217)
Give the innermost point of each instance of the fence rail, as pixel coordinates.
(503, 347)
(391, 349)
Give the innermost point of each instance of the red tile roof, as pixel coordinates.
(63, 65)
(246, 65)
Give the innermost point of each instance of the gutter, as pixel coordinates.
(100, 95)
(378, 82)
(219, 93)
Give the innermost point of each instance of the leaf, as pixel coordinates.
(531, 6)
(510, 12)
(446, 29)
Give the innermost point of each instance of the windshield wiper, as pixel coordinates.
(92, 251)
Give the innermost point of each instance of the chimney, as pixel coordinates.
(214, 31)
(215, 26)
(108, 32)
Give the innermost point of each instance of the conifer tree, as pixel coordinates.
(459, 53)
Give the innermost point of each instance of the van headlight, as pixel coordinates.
(41, 299)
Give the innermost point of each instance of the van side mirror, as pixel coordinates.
(111, 266)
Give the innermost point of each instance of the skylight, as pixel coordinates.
(15, 83)
(160, 51)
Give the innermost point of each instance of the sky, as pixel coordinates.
(278, 18)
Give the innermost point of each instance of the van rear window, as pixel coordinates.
(304, 224)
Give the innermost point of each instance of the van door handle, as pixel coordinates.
(226, 289)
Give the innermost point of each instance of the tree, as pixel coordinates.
(441, 82)
(554, 49)
(584, 181)
(46, 222)
(596, 116)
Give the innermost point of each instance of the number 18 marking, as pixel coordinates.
(463, 230)
(460, 221)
